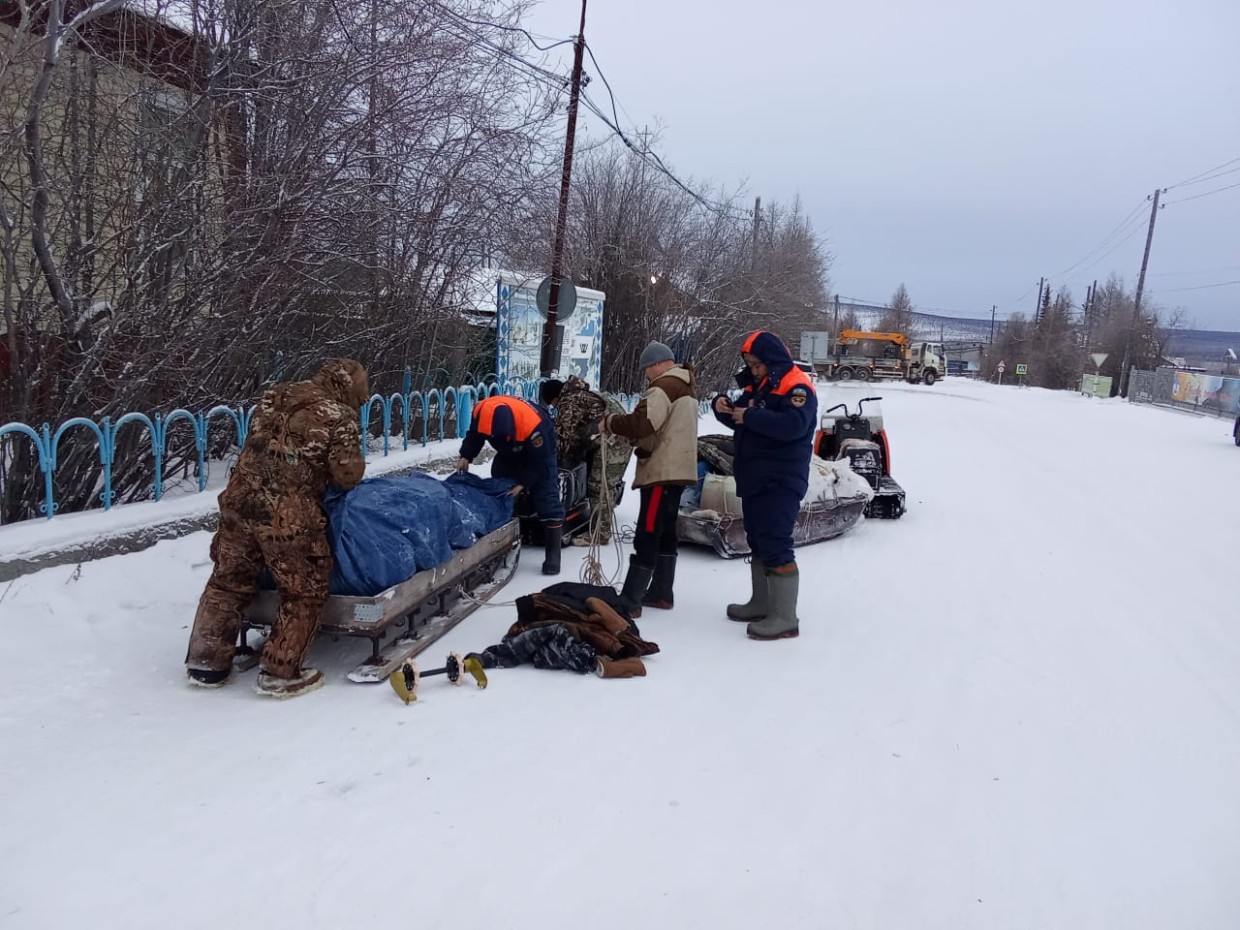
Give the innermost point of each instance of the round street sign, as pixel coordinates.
(566, 304)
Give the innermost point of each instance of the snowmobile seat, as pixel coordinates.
(574, 493)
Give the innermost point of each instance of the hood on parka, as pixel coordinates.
(770, 350)
(345, 380)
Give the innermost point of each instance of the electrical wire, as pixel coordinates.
(1132, 217)
(651, 158)
(644, 151)
(466, 28)
(1207, 175)
(1217, 190)
(1181, 274)
(1199, 287)
(1111, 251)
(461, 17)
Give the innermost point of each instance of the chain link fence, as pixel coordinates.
(1186, 390)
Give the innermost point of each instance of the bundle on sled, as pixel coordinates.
(860, 439)
(710, 514)
(413, 556)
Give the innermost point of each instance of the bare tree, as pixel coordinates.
(898, 317)
(265, 184)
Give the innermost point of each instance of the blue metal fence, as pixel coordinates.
(432, 408)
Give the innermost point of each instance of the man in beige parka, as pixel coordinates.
(663, 428)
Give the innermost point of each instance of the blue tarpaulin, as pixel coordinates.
(385, 530)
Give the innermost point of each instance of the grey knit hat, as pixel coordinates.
(653, 354)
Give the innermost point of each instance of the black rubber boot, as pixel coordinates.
(660, 595)
(553, 539)
(636, 583)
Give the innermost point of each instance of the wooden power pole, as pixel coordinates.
(1126, 367)
(548, 363)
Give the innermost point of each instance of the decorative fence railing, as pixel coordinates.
(434, 410)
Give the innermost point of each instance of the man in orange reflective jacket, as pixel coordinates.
(524, 440)
(774, 422)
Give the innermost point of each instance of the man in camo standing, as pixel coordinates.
(578, 410)
(304, 435)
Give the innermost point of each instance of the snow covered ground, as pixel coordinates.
(1018, 707)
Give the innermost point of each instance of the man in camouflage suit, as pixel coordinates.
(303, 435)
(578, 409)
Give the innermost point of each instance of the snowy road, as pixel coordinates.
(1018, 707)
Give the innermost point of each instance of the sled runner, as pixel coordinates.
(412, 614)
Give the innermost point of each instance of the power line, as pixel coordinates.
(925, 311)
(1217, 190)
(466, 28)
(460, 17)
(1133, 216)
(646, 153)
(1199, 287)
(656, 162)
(1111, 251)
(605, 83)
(1206, 175)
(1181, 274)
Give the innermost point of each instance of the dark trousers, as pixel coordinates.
(656, 523)
(545, 493)
(770, 517)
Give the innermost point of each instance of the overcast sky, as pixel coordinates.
(964, 147)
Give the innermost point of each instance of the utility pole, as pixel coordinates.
(1037, 310)
(994, 308)
(1125, 369)
(641, 199)
(757, 220)
(548, 363)
(837, 323)
(1088, 312)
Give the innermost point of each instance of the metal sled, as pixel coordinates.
(725, 533)
(417, 611)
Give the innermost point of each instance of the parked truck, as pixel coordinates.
(866, 356)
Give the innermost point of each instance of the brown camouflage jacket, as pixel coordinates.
(304, 435)
(577, 410)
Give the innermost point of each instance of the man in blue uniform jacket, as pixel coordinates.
(774, 421)
(524, 440)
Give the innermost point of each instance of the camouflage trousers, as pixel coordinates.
(300, 562)
(618, 455)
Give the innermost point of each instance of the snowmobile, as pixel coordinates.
(710, 514)
(578, 508)
(860, 439)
